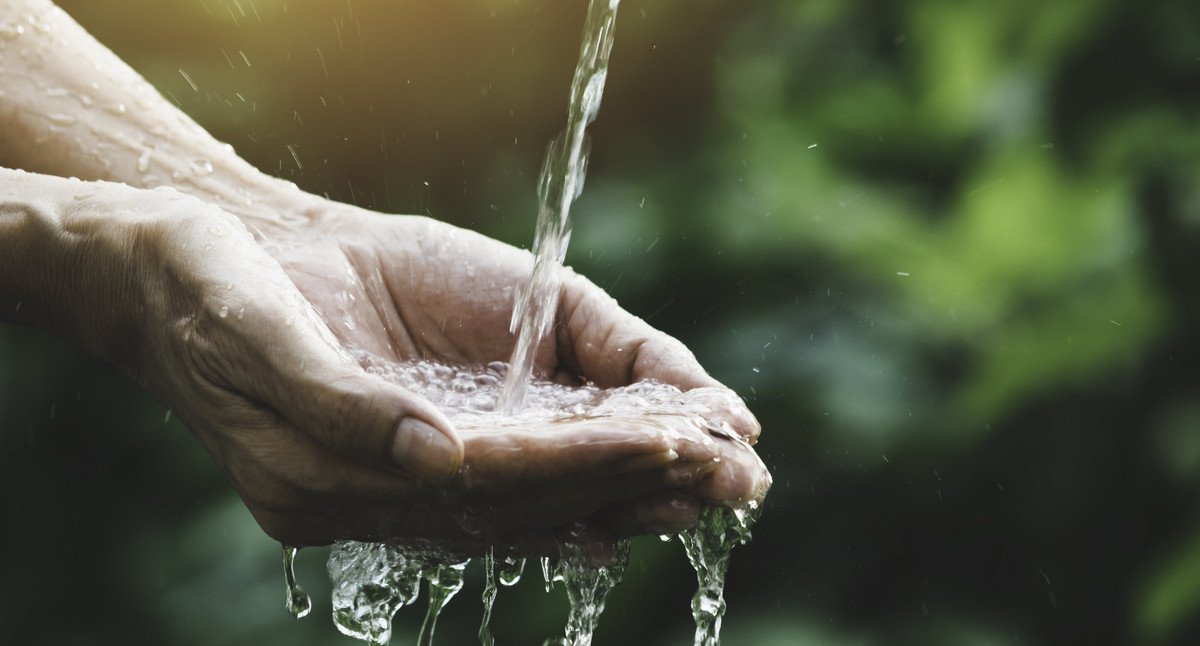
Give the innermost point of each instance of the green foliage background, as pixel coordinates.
(947, 251)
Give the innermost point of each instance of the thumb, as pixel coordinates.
(369, 419)
(309, 380)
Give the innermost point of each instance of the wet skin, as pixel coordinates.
(236, 299)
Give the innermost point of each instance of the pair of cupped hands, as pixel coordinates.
(255, 338)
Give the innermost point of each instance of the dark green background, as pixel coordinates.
(947, 251)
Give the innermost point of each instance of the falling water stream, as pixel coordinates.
(559, 184)
(371, 581)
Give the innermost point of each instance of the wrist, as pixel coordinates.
(91, 261)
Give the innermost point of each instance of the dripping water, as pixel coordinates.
(444, 582)
(588, 584)
(505, 571)
(488, 597)
(708, 546)
(298, 602)
(371, 581)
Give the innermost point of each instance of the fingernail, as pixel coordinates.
(648, 461)
(425, 451)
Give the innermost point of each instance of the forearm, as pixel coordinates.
(106, 266)
(69, 107)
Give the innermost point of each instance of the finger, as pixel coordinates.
(278, 351)
(517, 457)
(741, 479)
(521, 520)
(665, 512)
(614, 348)
(366, 418)
(726, 414)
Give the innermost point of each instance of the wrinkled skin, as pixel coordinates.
(405, 288)
(236, 299)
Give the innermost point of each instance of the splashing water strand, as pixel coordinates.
(371, 581)
(708, 546)
(444, 582)
(588, 585)
(559, 183)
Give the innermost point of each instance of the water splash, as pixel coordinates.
(298, 602)
(560, 182)
(708, 546)
(588, 584)
(371, 581)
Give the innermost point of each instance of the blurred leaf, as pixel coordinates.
(1171, 595)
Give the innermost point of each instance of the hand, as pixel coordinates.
(404, 288)
(236, 342)
(247, 342)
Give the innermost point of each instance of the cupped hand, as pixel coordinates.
(258, 346)
(248, 338)
(405, 288)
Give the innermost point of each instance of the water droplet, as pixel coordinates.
(117, 109)
(201, 167)
(223, 312)
(38, 25)
(62, 119)
(9, 31)
(510, 569)
(143, 162)
(298, 602)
